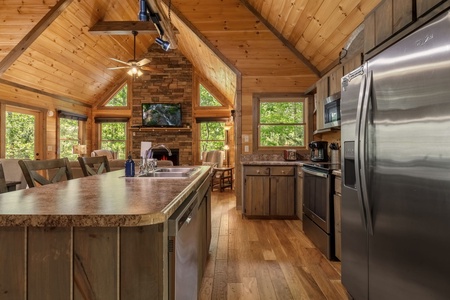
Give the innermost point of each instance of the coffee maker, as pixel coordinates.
(319, 151)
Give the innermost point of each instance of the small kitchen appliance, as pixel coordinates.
(319, 151)
(290, 154)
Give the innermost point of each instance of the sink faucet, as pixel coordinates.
(149, 155)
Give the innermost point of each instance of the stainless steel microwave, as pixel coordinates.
(332, 111)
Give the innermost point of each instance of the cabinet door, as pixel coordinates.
(282, 196)
(256, 195)
(322, 93)
(423, 6)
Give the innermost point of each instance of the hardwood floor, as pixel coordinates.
(264, 259)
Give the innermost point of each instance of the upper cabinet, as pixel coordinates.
(391, 17)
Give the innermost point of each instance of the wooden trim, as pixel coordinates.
(39, 92)
(122, 27)
(200, 79)
(118, 85)
(281, 38)
(23, 45)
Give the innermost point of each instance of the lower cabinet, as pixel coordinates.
(269, 191)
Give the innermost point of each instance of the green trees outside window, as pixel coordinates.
(114, 138)
(20, 135)
(212, 136)
(206, 99)
(68, 137)
(119, 99)
(281, 123)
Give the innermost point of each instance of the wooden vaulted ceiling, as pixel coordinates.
(46, 46)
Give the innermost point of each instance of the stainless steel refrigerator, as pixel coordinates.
(395, 125)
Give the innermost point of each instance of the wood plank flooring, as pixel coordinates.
(264, 259)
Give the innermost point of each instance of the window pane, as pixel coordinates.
(114, 138)
(281, 112)
(68, 133)
(282, 135)
(206, 99)
(212, 136)
(19, 135)
(119, 99)
(212, 131)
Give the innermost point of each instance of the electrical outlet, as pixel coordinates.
(246, 149)
(245, 138)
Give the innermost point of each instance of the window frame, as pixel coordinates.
(277, 97)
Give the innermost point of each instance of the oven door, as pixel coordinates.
(316, 197)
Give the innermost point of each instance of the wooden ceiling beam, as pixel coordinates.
(123, 27)
(37, 30)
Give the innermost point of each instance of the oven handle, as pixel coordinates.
(315, 173)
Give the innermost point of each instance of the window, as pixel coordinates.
(113, 137)
(206, 99)
(280, 121)
(68, 137)
(212, 136)
(119, 99)
(22, 131)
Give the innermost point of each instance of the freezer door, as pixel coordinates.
(354, 236)
(408, 151)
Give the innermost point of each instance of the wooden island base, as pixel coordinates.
(86, 262)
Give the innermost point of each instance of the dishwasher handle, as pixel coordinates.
(183, 215)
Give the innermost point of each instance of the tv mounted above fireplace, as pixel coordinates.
(161, 115)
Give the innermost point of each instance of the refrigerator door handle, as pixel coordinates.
(363, 154)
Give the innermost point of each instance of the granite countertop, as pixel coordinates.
(103, 200)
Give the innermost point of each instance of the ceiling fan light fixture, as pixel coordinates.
(165, 45)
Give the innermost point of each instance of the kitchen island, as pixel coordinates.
(97, 237)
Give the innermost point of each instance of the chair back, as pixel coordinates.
(213, 158)
(13, 172)
(3, 187)
(42, 172)
(94, 165)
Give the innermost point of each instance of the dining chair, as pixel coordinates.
(42, 172)
(3, 187)
(94, 165)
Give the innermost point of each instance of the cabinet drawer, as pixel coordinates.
(338, 185)
(257, 171)
(283, 171)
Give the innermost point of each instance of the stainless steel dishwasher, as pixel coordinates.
(183, 250)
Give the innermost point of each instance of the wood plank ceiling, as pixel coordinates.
(220, 37)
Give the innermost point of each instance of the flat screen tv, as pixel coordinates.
(161, 114)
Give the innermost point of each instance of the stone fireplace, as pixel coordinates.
(171, 83)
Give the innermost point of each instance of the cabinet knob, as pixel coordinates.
(282, 171)
(257, 172)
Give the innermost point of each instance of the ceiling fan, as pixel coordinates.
(135, 67)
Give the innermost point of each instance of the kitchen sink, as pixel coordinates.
(171, 172)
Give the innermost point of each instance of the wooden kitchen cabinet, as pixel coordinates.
(424, 6)
(337, 197)
(269, 191)
(335, 80)
(322, 88)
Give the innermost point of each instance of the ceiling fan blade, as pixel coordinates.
(143, 62)
(144, 68)
(118, 68)
(118, 60)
